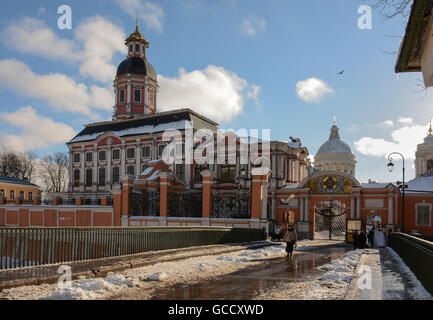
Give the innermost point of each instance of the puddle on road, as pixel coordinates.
(248, 283)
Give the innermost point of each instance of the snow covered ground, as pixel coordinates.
(330, 286)
(186, 271)
(330, 282)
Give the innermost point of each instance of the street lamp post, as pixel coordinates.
(390, 168)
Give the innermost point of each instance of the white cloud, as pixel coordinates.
(405, 121)
(150, 13)
(60, 91)
(213, 92)
(313, 89)
(388, 123)
(36, 131)
(404, 140)
(101, 40)
(252, 25)
(96, 40)
(30, 35)
(254, 94)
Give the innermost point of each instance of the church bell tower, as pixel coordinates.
(136, 85)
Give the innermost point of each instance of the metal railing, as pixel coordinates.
(23, 247)
(417, 254)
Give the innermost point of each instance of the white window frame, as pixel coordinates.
(112, 157)
(150, 152)
(416, 214)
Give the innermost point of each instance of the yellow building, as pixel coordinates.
(13, 188)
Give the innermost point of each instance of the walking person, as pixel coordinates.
(355, 240)
(291, 238)
(370, 237)
(362, 239)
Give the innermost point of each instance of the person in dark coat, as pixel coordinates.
(362, 239)
(355, 240)
(370, 237)
(291, 238)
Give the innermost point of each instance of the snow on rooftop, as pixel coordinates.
(145, 129)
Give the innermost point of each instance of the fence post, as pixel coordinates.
(127, 185)
(208, 177)
(117, 206)
(260, 196)
(164, 183)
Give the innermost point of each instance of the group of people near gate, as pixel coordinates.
(374, 238)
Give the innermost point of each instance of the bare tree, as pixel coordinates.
(55, 172)
(391, 8)
(17, 165)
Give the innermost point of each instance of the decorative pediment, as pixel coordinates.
(331, 184)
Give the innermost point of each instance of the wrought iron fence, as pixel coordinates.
(185, 204)
(23, 247)
(144, 204)
(417, 254)
(231, 205)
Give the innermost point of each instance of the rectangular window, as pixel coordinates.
(12, 195)
(130, 170)
(30, 196)
(197, 172)
(102, 176)
(122, 95)
(131, 48)
(137, 48)
(102, 156)
(2, 193)
(89, 177)
(89, 156)
(423, 216)
(130, 153)
(22, 195)
(151, 99)
(145, 152)
(137, 95)
(161, 148)
(180, 150)
(115, 175)
(228, 173)
(180, 171)
(76, 158)
(76, 178)
(116, 154)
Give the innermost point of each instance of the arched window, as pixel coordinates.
(430, 165)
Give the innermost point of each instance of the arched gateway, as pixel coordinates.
(330, 195)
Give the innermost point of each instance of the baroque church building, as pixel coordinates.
(103, 152)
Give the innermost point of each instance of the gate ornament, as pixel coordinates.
(331, 184)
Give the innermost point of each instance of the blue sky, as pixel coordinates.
(250, 56)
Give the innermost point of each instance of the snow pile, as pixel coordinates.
(416, 289)
(341, 270)
(91, 288)
(157, 276)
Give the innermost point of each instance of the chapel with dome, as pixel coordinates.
(335, 155)
(424, 155)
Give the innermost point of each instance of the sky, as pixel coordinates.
(246, 64)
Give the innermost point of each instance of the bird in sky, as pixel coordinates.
(341, 72)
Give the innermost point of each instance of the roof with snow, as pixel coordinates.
(421, 184)
(11, 180)
(172, 120)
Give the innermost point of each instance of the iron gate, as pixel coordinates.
(144, 204)
(185, 204)
(330, 220)
(231, 205)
